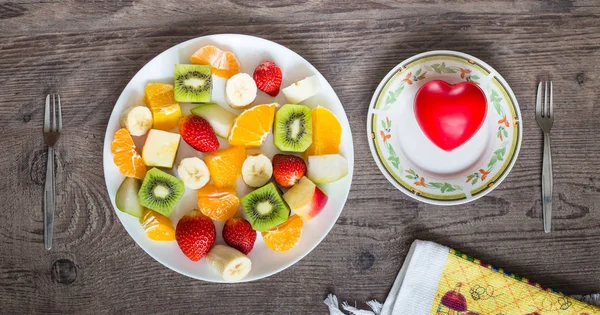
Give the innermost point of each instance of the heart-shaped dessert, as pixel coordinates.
(450, 114)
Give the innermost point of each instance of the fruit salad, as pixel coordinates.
(286, 189)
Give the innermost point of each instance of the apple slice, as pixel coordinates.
(160, 148)
(323, 169)
(127, 197)
(301, 90)
(305, 198)
(219, 118)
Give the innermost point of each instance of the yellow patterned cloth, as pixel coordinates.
(437, 280)
(470, 287)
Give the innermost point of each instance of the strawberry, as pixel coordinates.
(268, 77)
(238, 233)
(195, 234)
(198, 133)
(288, 169)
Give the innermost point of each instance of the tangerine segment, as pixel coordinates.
(327, 133)
(252, 126)
(223, 64)
(218, 203)
(225, 166)
(285, 236)
(127, 159)
(157, 226)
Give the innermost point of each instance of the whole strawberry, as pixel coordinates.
(268, 77)
(238, 233)
(195, 234)
(288, 169)
(198, 133)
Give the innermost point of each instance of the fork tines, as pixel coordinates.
(52, 123)
(544, 110)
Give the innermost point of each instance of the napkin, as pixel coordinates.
(437, 280)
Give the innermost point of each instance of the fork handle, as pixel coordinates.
(547, 184)
(49, 200)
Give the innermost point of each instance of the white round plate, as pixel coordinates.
(417, 167)
(250, 51)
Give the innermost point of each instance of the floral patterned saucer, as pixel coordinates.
(412, 163)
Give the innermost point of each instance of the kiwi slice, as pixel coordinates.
(160, 191)
(193, 83)
(293, 128)
(264, 208)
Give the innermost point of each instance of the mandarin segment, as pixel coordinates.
(218, 203)
(126, 158)
(285, 236)
(327, 133)
(223, 64)
(157, 226)
(225, 166)
(252, 126)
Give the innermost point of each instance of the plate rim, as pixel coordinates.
(350, 159)
(371, 113)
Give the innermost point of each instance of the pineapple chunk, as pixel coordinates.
(160, 98)
(166, 117)
(160, 148)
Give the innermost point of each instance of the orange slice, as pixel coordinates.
(252, 126)
(225, 166)
(285, 236)
(327, 133)
(222, 63)
(127, 159)
(218, 203)
(159, 95)
(157, 226)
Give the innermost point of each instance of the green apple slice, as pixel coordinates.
(127, 197)
(323, 169)
(219, 118)
(160, 148)
(302, 90)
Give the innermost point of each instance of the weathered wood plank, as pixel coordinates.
(88, 50)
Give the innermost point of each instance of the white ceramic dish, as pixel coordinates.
(250, 51)
(412, 163)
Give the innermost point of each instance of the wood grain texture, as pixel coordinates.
(88, 51)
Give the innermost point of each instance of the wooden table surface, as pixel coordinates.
(89, 50)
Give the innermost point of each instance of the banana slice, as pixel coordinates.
(240, 90)
(229, 262)
(137, 120)
(257, 170)
(193, 172)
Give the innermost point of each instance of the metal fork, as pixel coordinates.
(52, 129)
(545, 119)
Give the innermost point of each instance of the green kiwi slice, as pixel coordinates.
(160, 191)
(264, 208)
(193, 83)
(293, 128)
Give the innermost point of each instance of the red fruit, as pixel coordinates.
(198, 133)
(195, 234)
(268, 78)
(306, 199)
(238, 233)
(288, 169)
